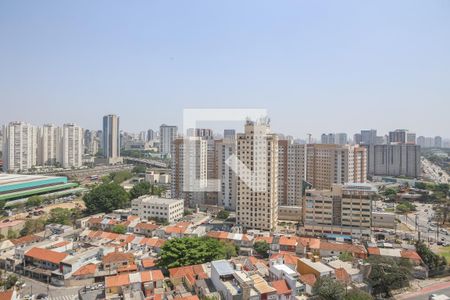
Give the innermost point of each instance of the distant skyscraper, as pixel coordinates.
(368, 137)
(19, 146)
(357, 138)
(401, 136)
(72, 146)
(329, 138)
(341, 138)
(438, 142)
(167, 135)
(111, 137)
(150, 135)
(229, 133)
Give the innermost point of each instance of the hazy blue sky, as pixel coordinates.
(317, 66)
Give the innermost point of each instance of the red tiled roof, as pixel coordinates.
(222, 235)
(116, 281)
(309, 242)
(308, 279)
(147, 226)
(95, 220)
(46, 255)
(288, 241)
(281, 287)
(288, 259)
(267, 239)
(194, 297)
(6, 295)
(342, 275)
(183, 271)
(148, 262)
(127, 269)
(117, 257)
(373, 251)
(155, 275)
(28, 239)
(88, 269)
(410, 254)
(61, 244)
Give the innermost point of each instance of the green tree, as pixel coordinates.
(356, 294)
(431, 259)
(119, 228)
(262, 248)
(60, 215)
(34, 201)
(328, 288)
(223, 214)
(12, 234)
(387, 275)
(140, 189)
(139, 169)
(32, 226)
(10, 281)
(106, 198)
(346, 256)
(187, 251)
(405, 207)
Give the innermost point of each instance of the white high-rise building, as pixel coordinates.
(49, 145)
(167, 135)
(228, 187)
(19, 146)
(111, 137)
(72, 146)
(257, 184)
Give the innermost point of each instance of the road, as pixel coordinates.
(424, 293)
(434, 172)
(54, 293)
(428, 231)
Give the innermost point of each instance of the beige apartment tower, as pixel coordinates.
(257, 182)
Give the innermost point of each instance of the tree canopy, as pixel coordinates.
(140, 189)
(119, 228)
(387, 275)
(431, 259)
(187, 251)
(106, 197)
(262, 248)
(60, 215)
(355, 294)
(223, 214)
(328, 288)
(34, 201)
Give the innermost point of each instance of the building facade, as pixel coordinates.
(72, 146)
(19, 147)
(257, 183)
(167, 135)
(111, 137)
(149, 207)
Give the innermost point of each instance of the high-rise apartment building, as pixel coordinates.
(257, 184)
(225, 148)
(167, 135)
(111, 137)
(357, 138)
(329, 138)
(72, 146)
(19, 146)
(345, 210)
(151, 135)
(341, 139)
(49, 145)
(190, 170)
(334, 164)
(438, 142)
(296, 173)
(394, 160)
(401, 136)
(282, 171)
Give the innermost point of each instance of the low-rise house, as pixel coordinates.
(115, 260)
(27, 241)
(149, 282)
(39, 263)
(309, 280)
(288, 243)
(279, 271)
(283, 290)
(145, 229)
(204, 288)
(350, 268)
(335, 249)
(314, 266)
(188, 274)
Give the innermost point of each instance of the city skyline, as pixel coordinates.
(309, 68)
